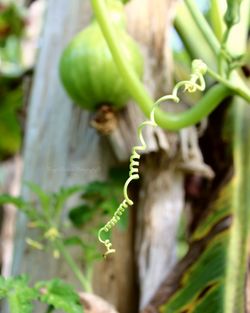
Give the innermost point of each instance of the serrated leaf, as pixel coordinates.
(19, 295)
(32, 213)
(44, 198)
(60, 295)
(17, 201)
(63, 195)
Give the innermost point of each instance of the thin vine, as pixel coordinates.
(196, 82)
(171, 121)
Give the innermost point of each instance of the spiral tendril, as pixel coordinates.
(196, 82)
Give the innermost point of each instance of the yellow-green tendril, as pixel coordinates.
(195, 83)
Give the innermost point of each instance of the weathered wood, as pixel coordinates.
(160, 205)
(11, 172)
(122, 139)
(162, 192)
(61, 149)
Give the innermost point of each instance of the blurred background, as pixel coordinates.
(53, 153)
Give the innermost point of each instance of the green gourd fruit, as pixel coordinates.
(88, 71)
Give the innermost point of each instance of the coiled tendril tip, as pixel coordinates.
(199, 66)
(196, 82)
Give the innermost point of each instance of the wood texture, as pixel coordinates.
(161, 195)
(10, 173)
(60, 148)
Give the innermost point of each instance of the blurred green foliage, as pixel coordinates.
(98, 200)
(12, 28)
(55, 293)
(103, 197)
(10, 130)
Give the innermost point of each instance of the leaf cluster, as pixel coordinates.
(56, 294)
(10, 129)
(44, 211)
(12, 20)
(98, 201)
(12, 27)
(100, 197)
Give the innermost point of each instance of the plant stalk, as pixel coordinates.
(203, 26)
(73, 266)
(241, 91)
(194, 41)
(165, 120)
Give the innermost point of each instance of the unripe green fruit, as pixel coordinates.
(88, 71)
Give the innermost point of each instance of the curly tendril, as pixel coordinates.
(196, 83)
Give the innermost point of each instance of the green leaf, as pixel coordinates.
(81, 215)
(96, 190)
(60, 295)
(63, 195)
(32, 213)
(118, 175)
(12, 19)
(211, 278)
(19, 295)
(44, 198)
(11, 53)
(98, 196)
(74, 241)
(19, 202)
(108, 206)
(10, 130)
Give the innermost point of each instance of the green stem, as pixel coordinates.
(165, 120)
(195, 114)
(73, 266)
(192, 37)
(225, 37)
(203, 26)
(244, 93)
